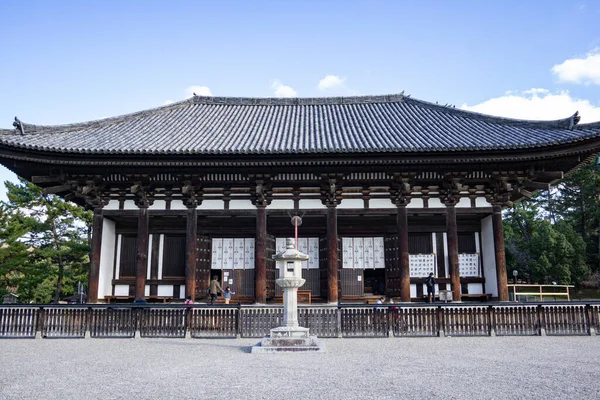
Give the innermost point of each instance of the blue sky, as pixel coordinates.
(71, 61)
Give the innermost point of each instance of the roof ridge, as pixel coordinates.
(589, 125)
(563, 123)
(25, 128)
(293, 101)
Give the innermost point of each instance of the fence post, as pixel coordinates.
(88, 323)
(440, 316)
(40, 324)
(390, 319)
(589, 316)
(138, 323)
(541, 321)
(492, 320)
(187, 322)
(339, 321)
(238, 322)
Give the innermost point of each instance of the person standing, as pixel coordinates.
(430, 282)
(227, 294)
(188, 300)
(215, 288)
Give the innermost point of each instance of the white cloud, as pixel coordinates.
(537, 104)
(199, 90)
(331, 81)
(281, 90)
(580, 70)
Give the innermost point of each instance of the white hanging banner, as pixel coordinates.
(313, 253)
(378, 252)
(468, 264)
(303, 248)
(359, 253)
(238, 254)
(249, 253)
(347, 253)
(421, 265)
(227, 253)
(368, 253)
(217, 254)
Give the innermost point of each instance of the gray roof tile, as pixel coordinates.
(219, 125)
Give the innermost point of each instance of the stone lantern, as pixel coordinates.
(290, 336)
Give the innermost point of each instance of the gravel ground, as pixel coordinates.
(401, 368)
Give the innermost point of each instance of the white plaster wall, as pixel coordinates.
(434, 202)
(211, 205)
(161, 249)
(158, 205)
(482, 202)
(307, 204)
(112, 205)
(282, 205)
(488, 253)
(415, 203)
(182, 291)
(475, 288)
(446, 262)
(244, 205)
(352, 203)
(178, 205)
(165, 290)
(413, 290)
(129, 205)
(381, 203)
(149, 260)
(118, 259)
(107, 258)
(121, 290)
(464, 202)
(147, 291)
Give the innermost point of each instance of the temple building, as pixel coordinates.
(389, 189)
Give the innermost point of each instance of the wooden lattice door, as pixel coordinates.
(203, 263)
(392, 266)
(271, 271)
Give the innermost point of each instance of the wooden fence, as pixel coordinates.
(344, 320)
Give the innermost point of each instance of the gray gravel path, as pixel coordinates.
(440, 368)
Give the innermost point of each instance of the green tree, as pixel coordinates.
(54, 233)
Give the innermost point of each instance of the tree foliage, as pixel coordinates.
(45, 244)
(553, 237)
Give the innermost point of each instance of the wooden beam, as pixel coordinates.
(402, 222)
(452, 234)
(57, 189)
(549, 175)
(190, 245)
(47, 179)
(141, 261)
(332, 255)
(94, 274)
(501, 277)
(537, 185)
(260, 256)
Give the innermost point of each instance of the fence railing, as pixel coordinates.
(344, 320)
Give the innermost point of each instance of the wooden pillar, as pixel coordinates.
(94, 274)
(500, 255)
(260, 253)
(141, 261)
(191, 234)
(403, 259)
(453, 250)
(332, 255)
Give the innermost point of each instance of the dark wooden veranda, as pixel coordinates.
(341, 321)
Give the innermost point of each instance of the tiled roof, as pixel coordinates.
(218, 125)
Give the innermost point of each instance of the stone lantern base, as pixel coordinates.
(284, 338)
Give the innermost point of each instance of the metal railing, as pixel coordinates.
(344, 320)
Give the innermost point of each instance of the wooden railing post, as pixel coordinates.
(492, 320)
(88, 323)
(390, 319)
(238, 321)
(138, 322)
(339, 321)
(187, 322)
(541, 321)
(39, 324)
(589, 316)
(440, 316)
